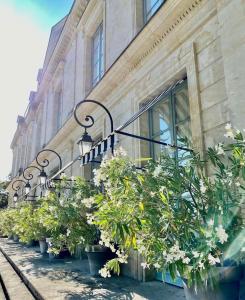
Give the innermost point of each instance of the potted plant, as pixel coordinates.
(178, 218)
(70, 205)
(8, 219)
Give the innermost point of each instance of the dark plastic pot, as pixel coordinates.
(43, 246)
(226, 288)
(97, 257)
(16, 238)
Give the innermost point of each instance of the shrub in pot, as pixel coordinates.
(178, 218)
(8, 218)
(70, 206)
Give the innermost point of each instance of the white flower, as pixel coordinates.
(202, 186)
(104, 272)
(229, 174)
(157, 265)
(219, 149)
(90, 218)
(88, 202)
(141, 249)
(113, 249)
(186, 260)
(152, 194)
(68, 232)
(157, 171)
(238, 184)
(221, 234)
(211, 222)
(213, 260)
(228, 126)
(63, 176)
(201, 265)
(196, 254)
(62, 202)
(145, 265)
(210, 244)
(229, 133)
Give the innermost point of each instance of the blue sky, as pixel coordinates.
(24, 29)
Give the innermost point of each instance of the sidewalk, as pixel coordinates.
(69, 279)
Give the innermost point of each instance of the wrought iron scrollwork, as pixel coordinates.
(90, 118)
(29, 176)
(45, 162)
(16, 188)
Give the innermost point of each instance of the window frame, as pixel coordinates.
(173, 124)
(101, 61)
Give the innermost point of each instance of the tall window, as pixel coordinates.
(97, 55)
(150, 7)
(169, 120)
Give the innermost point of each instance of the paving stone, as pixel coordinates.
(70, 279)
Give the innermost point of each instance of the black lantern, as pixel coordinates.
(27, 188)
(85, 143)
(43, 177)
(15, 197)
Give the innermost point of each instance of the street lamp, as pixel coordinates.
(27, 188)
(15, 197)
(17, 188)
(86, 142)
(43, 177)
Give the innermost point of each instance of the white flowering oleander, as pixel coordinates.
(62, 202)
(213, 260)
(104, 272)
(221, 234)
(98, 176)
(229, 131)
(141, 249)
(202, 186)
(63, 176)
(68, 232)
(186, 260)
(157, 171)
(88, 202)
(196, 254)
(219, 149)
(201, 265)
(238, 184)
(157, 265)
(90, 218)
(145, 265)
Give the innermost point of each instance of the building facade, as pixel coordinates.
(123, 54)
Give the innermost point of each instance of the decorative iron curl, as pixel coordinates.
(18, 186)
(44, 163)
(90, 118)
(30, 175)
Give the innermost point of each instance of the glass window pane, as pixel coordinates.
(151, 7)
(98, 56)
(181, 105)
(160, 118)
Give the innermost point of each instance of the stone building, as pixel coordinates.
(125, 53)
